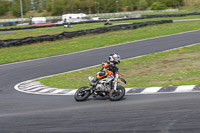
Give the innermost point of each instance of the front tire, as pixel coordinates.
(82, 94)
(118, 94)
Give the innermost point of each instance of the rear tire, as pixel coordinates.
(82, 94)
(118, 94)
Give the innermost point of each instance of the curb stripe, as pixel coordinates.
(45, 90)
(72, 92)
(136, 90)
(49, 91)
(37, 88)
(168, 89)
(128, 89)
(185, 88)
(196, 88)
(151, 90)
(29, 88)
(57, 91)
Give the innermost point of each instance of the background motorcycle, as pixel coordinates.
(109, 86)
(107, 23)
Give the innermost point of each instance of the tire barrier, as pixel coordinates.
(98, 21)
(66, 35)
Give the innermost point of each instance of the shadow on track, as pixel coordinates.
(101, 98)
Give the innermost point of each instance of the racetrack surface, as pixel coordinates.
(11, 32)
(163, 113)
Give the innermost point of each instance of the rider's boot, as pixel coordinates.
(95, 94)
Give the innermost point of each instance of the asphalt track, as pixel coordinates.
(11, 32)
(163, 113)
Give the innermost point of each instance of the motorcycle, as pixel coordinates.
(109, 86)
(107, 23)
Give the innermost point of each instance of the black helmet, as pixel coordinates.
(114, 58)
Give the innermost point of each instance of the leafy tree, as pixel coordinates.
(36, 4)
(150, 2)
(49, 7)
(39, 10)
(4, 7)
(133, 4)
(172, 3)
(16, 7)
(88, 4)
(58, 7)
(111, 6)
(142, 4)
(158, 6)
(72, 6)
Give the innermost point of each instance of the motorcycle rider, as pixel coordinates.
(108, 22)
(108, 67)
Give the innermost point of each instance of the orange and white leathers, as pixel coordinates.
(108, 68)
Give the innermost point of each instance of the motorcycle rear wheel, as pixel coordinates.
(118, 94)
(81, 94)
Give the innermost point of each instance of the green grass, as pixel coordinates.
(45, 49)
(60, 29)
(169, 68)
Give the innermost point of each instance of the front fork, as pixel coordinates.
(115, 85)
(116, 82)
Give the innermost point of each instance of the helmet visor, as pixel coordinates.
(116, 58)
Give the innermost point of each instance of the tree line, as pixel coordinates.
(59, 7)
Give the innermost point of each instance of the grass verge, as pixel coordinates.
(46, 49)
(169, 68)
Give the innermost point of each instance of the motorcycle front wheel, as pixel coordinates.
(82, 94)
(118, 94)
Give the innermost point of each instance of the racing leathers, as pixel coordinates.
(108, 68)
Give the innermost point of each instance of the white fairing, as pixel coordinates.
(90, 78)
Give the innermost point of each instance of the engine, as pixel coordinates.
(103, 87)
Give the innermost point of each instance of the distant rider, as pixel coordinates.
(108, 68)
(108, 22)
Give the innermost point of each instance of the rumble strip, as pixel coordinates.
(35, 87)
